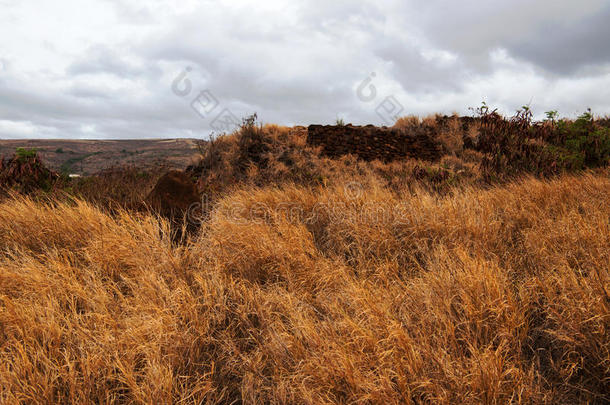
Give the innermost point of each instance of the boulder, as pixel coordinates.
(173, 197)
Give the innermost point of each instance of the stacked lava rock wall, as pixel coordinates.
(371, 142)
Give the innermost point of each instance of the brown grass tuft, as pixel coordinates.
(310, 294)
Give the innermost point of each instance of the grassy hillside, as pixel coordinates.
(354, 294)
(479, 278)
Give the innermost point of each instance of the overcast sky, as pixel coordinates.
(160, 68)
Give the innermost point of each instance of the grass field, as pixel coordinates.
(481, 295)
(479, 278)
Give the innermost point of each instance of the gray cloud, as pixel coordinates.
(561, 36)
(101, 59)
(564, 48)
(109, 73)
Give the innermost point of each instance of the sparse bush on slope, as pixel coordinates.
(258, 155)
(314, 295)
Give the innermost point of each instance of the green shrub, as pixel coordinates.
(25, 153)
(583, 137)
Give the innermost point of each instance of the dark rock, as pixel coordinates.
(175, 197)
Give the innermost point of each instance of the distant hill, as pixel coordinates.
(86, 157)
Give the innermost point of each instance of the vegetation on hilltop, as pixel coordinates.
(481, 150)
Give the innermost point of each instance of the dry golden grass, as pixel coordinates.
(449, 134)
(314, 295)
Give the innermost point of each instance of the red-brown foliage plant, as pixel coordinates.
(25, 172)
